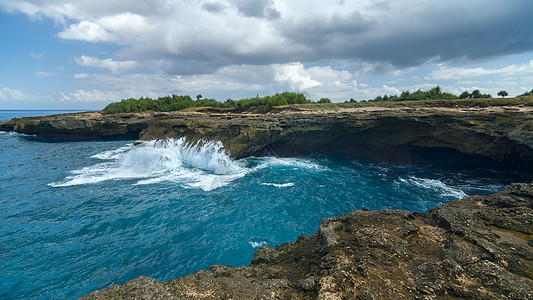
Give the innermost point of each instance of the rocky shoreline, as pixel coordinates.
(501, 134)
(479, 247)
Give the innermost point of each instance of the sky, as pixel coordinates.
(84, 54)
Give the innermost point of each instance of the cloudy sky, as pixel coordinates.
(83, 54)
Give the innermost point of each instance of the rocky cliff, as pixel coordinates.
(503, 134)
(480, 247)
(477, 247)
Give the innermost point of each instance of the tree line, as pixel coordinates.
(175, 102)
(435, 93)
(265, 104)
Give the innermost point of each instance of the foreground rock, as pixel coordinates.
(503, 134)
(480, 247)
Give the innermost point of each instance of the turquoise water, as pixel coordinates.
(80, 216)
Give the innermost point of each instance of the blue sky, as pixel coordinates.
(61, 54)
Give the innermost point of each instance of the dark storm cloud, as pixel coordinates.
(189, 36)
(467, 32)
(322, 33)
(389, 36)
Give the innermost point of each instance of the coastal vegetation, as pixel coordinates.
(175, 102)
(432, 94)
(434, 97)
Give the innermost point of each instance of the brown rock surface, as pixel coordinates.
(480, 247)
(503, 134)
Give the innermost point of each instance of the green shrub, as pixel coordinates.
(175, 102)
(432, 94)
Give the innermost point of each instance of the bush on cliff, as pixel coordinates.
(476, 94)
(167, 103)
(432, 94)
(175, 102)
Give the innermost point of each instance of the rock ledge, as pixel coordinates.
(500, 134)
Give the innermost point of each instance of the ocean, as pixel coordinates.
(76, 216)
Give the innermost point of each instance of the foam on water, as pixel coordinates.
(258, 244)
(296, 163)
(204, 165)
(113, 154)
(435, 185)
(13, 133)
(278, 184)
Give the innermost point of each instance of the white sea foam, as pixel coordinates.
(113, 154)
(258, 244)
(14, 133)
(436, 185)
(204, 165)
(279, 184)
(294, 163)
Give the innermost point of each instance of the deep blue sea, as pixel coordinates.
(81, 216)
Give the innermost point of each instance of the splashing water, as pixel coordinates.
(203, 165)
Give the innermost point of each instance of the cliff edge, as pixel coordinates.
(480, 247)
(477, 247)
(502, 134)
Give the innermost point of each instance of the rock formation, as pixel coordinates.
(480, 247)
(388, 134)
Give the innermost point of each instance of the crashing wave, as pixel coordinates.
(203, 165)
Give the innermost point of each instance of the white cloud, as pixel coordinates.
(445, 73)
(11, 94)
(81, 75)
(235, 82)
(90, 96)
(296, 75)
(364, 91)
(114, 66)
(87, 31)
(229, 82)
(123, 28)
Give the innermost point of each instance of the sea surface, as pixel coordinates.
(81, 216)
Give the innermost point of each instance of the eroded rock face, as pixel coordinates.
(395, 135)
(480, 247)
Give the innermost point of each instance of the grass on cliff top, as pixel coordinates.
(458, 103)
(295, 101)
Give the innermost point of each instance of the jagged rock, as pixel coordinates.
(142, 288)
(479, 247)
